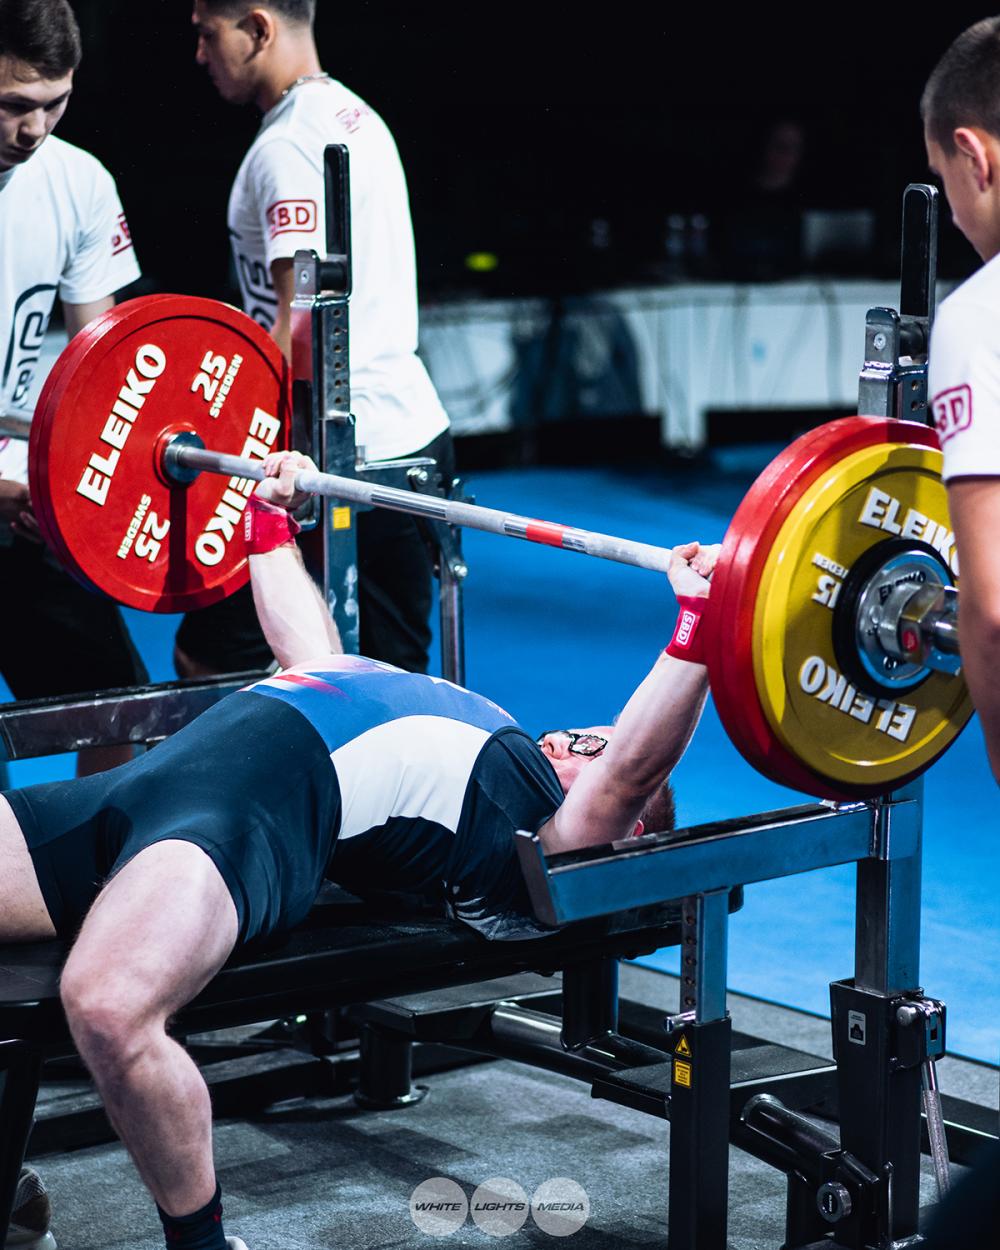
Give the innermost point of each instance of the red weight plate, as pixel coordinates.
(59, 377)
(145, 370)
(728, 624)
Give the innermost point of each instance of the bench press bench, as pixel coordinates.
(347, 952)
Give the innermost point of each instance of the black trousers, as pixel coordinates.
(395, 576)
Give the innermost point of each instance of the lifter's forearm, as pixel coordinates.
(292, 614)
(974, 504)
(659, 719)
(979, 638)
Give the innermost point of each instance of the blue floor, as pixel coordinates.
(561, 639)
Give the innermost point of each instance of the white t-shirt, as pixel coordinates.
(277, 206)
(62, 232)
(964, 376)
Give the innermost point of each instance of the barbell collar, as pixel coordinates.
(933, 613)
(921, 627)
(944, 635)
(179, 458)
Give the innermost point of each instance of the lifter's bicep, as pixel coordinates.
(974, 504)
(601, 807)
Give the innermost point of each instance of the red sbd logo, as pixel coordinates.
(294, 215)
(352, 118)
(121, 240)
(952, 411)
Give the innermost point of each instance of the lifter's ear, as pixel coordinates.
(981, 152)
(260, 25)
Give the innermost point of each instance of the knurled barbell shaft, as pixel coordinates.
(941, 631)
(451, 511)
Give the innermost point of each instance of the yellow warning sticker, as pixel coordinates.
(682, 1074)
(341, 518)
(683, 1047)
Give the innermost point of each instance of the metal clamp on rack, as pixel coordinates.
(324, 427)
(322, 424)
(894, 377)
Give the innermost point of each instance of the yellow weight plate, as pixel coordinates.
(888, 491)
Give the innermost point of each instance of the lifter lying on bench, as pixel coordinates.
(383, 781)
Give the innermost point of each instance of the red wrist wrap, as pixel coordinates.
(266, 526)
(687, 643)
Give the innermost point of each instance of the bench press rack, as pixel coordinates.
(323, 427)
(406, 979)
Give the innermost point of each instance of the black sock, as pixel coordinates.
(200, 1231)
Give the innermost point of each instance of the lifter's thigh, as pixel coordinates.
(23, 914)
(156, 935)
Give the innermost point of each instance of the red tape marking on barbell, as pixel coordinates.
(545, 532)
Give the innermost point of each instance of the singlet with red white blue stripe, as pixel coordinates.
(434, 780)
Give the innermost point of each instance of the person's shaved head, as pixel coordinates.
(298, 12)
(964, 87)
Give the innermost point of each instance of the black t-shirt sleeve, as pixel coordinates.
(512, 787)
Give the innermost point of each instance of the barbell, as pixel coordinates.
(830, 633)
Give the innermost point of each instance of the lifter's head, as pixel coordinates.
(960, 108)
(570, 751)
(252, 51)
(39, 51)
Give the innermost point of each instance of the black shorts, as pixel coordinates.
(250, 782)
(56, 637)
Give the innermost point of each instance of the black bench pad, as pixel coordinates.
(346, 952)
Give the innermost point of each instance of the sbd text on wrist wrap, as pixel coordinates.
(687, 643)
(267, 527)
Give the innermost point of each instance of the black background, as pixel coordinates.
(520, 123)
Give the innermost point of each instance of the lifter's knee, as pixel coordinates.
(112, 1025)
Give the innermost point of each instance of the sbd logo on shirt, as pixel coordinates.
(297, 215)
(952, 411)
(121, 240)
